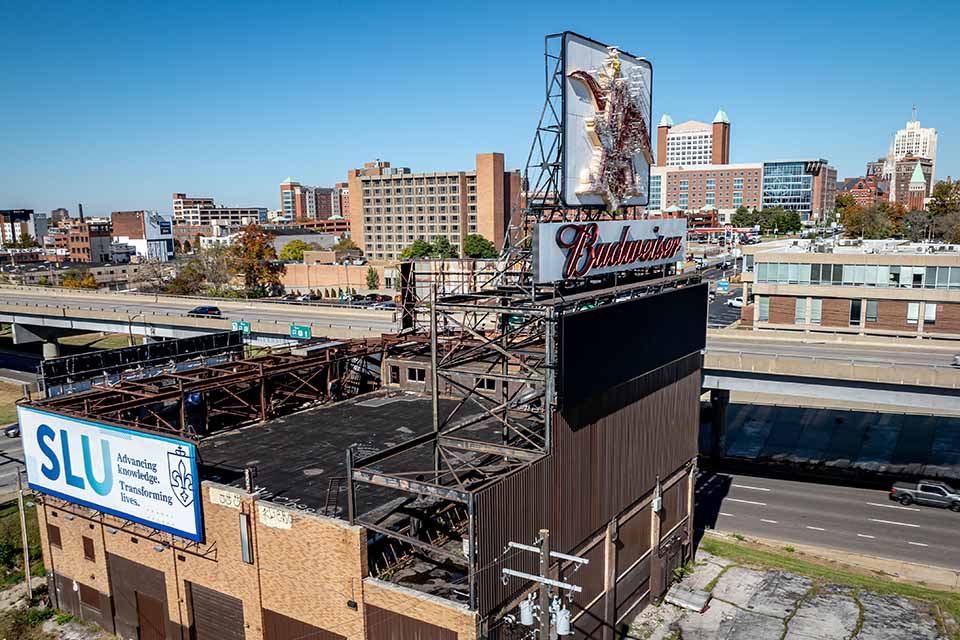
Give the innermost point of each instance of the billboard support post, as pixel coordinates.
(23, 534)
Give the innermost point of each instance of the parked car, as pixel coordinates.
(205, 312)
(290, 297)
(956, 360)
(929, 492)
(735, 302)
(13, 431)
(385, 305)
(308, 297)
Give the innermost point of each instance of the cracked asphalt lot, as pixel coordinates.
(752, 604)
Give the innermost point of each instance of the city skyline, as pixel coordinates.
(110, 115)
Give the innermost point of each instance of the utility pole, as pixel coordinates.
(544, 606)
(23, 533)
(544, 587)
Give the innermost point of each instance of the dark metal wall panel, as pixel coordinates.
(605, 457)
(214, 615)
(589, 577)
(277, 626)
(609, 345)
(127, 578)
(674, 506)
(635, 582)
(634, 539)
(383, 624)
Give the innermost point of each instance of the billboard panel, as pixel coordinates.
(607, 113)
(607, 346)
(564, 250)
(147, 478)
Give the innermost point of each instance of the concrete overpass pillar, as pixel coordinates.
(719, 401)
(51, 349)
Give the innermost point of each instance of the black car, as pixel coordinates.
(205, 312)
(12, 431)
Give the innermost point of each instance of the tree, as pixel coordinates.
(346, 244)
(252, 255)
(419, 249)
(441, 248)
(743, 218)
(789, 222)
(151, 275)
(177, 247)
(293, 251)
(916, 225)
(186, 246)
(182, 285)
(945, 198)
(211, 265)
(843, 201)
(76, 280)
(43, 281)
(476, 246)
(25, 242)
(373, 278)
(895, 213)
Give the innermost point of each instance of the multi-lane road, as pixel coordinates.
(863, 521)
(907, 352)
(253, 311)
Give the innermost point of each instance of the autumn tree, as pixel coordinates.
(476, 246)
(252, 255)
(346, 244)
(843, 201)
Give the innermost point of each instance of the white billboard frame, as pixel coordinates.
(579, 151)
(617, 245)
(142, 465)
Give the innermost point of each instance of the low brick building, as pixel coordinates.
(876, 287)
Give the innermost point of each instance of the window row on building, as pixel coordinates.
(810, 311)
(858, 275)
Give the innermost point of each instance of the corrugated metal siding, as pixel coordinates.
(674, 506)
(606, 456)
(277, 626)
(634, 539)
(215, 615)
(383, 624)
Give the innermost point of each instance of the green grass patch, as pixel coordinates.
(749, 556)
(11, 546)
(9, 394)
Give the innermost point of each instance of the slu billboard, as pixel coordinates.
(147, 478)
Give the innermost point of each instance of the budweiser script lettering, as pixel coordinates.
(585, 252)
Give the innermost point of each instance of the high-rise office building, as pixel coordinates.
(692, 142)
(913, 141)
(390, 207)
(808, 187)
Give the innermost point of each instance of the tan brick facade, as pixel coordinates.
(305, 568)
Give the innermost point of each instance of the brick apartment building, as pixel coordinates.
(80, 241)
(18, 224)
(865, 191)
(805, 186)
(875, 287)
(390, 207)
(341, 200)
(301, 202)
(692, 142)
(150, 233)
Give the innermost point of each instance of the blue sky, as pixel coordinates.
(119, 105)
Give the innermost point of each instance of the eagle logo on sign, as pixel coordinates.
(618, 132)
(181, 475)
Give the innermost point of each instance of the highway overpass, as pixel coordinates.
(43, 314)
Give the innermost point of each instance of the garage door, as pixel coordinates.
(215, 615)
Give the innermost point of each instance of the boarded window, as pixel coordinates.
(53, 534)
(89, 596)
(88, 551)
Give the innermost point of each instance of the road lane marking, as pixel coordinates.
(891, 506)
(746, 486)
(816, 528)
(899, 524)
(759, 504)
(769, 521)
(863, 535)
(917, 544)
(729, 515)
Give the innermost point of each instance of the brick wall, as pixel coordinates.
(892, 316)
(835, 312)
(948, 320)
(303, 277)
(417, 606)
(782, 309)
(305, 567)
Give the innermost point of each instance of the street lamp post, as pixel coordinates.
(130, 326)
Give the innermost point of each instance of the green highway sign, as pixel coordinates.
(300, 331)
(240, 325)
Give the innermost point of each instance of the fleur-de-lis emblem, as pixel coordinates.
(181, 477)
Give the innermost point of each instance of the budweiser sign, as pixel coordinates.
(564, 250)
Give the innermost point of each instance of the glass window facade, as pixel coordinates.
(858, 275)
(788, 185)
(655, 202)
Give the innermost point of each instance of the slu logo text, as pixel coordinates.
(54, 466)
